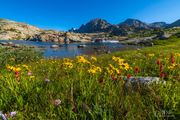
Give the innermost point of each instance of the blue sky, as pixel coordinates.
(65, 14)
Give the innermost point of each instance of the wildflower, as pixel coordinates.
(126, 66)
(111, 66)
(17, 74)
(113, 77)
(57, 102)
(158, 62)
(32, 77)
(177, 54)
(161, 67)
(81, 59)
(95, 69)
(12, 114)
(109, 70)
(18, 69)
(3, 116)
(172, 59)
(100, 80)
(92, 71)
(136, 70)
(117, 71)
(47, 80)
(29, 73)
(93, 58)
(162, 75)
(26, 67)
(151, 55)
(68, 65)
(117, 59)
(67, 60)
(172, 66)
(128, 76)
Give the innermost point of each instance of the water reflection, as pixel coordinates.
(71, 50)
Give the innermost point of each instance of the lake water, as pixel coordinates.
(72, 50)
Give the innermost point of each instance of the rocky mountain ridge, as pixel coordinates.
(124, 28)
(97, 28)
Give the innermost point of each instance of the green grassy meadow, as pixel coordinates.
(91, 87)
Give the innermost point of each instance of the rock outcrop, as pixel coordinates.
(60, 37)
(10, 30)
(48, 36)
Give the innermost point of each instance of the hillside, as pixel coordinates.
(11, 30)
(175, 24)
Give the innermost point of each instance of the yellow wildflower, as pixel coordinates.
(68, 65)
(81, 59)
(32, 77)
(94, 69)
(67, 60)
(117, 59)
(172, 66)
(177, 54)
(110, 71)
(93, 58)
(17, 69)
(151, 55)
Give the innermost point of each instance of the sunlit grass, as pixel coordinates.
(89, 87)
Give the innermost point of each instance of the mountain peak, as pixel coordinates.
(95, 25)
(135, 23)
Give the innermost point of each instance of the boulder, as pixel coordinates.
(16, 46)
(81, 46)
(143, 80)
(4, 43)
(10, 43)
(54, 46)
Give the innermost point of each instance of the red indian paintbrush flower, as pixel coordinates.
(161, 67)
(172, 59)
(162, 75)
(158, 62)
(137, 70)
(128, 76)
(113, 77)
(17, 74)
(101, 80)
